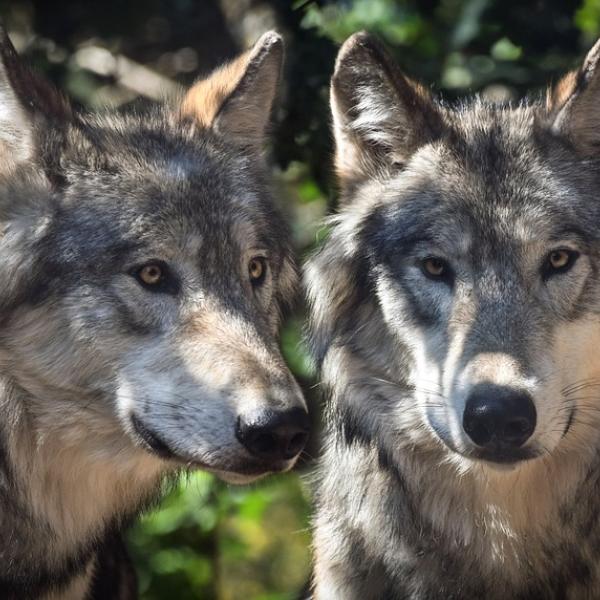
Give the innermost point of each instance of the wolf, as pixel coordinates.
(455, 323)
(145, 267)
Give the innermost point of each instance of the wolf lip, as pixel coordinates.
(506, 458)
(152, 441)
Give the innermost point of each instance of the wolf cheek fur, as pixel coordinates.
(455, 322)
(144, 270)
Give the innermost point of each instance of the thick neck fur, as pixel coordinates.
(63, 485)
(437, 534)
(404, 494)
(496, 515)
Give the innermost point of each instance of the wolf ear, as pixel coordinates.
(25, 100)
(236, 99)
(380, 117)
(574, 104)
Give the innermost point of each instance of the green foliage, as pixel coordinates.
(209, 540)
(587, 18)
(394, 21)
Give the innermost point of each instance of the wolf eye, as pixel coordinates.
(150, 274)
(156, 277)
(435, 268)
(257, 270)
(559, 261)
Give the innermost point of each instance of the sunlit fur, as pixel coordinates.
(405, 507)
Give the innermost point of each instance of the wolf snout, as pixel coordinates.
(273, 435)
(499, 419)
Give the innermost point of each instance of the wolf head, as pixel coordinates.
(463, 266)
(145, 268)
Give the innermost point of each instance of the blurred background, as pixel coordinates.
(208, 540)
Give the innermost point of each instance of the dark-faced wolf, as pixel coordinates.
(456, 324)
(144, 269)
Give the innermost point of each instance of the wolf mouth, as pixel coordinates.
(569, 422)
(156, 445)
(151, 441)
(506, 457)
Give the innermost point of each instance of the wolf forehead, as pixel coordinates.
(497, 173)
(150, 182)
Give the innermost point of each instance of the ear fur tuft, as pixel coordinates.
(236, 99)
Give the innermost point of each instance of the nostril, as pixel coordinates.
(478, 431)
(296, 444)
(298, 440)
(263, 443)
(517, 428)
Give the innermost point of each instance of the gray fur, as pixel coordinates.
(107, 387)
(407, 505)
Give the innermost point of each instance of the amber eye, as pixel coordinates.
(151, 274)
(156, 276)
(560, 261)
(435, 268)
(257, 270)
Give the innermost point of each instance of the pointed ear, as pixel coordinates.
(236, 100)
(380, 117)
(574, 105)
(26, 101)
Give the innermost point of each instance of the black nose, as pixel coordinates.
(499, 418)
(274, 435)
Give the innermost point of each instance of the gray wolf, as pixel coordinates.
(455, 321)
(144, 271)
